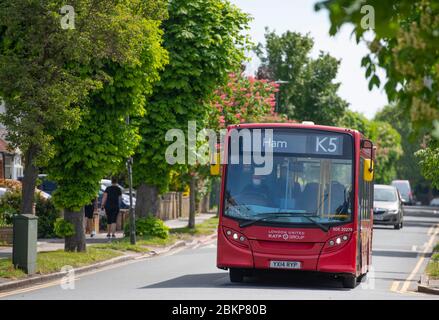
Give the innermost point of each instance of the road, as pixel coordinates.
(399, 258)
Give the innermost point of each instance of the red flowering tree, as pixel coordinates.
(243, 99)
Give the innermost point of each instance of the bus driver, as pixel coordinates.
(257, 192)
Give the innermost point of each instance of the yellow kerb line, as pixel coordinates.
(394, 287)
(412, 275)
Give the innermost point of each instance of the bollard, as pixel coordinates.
(24, 250)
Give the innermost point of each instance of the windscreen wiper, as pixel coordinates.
(235, 203)
(287, 214)
(267, 215)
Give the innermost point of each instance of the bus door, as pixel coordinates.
(365, 200)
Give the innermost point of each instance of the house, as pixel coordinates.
(10, 160)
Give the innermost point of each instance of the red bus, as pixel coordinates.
(313, 211)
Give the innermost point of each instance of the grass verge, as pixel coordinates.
(49, 262)
(205, 228)
(433, 265)
(53, 261)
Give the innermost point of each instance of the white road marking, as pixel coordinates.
(414, 248)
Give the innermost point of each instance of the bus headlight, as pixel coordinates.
(337, 242)
(236, 237)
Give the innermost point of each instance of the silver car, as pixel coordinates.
(405, 190)
(387, 206)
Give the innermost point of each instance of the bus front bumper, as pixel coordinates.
(340, 261)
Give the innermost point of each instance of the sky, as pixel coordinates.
(299, 16)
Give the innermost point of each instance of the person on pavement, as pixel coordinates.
(90, 211)
(110, 201)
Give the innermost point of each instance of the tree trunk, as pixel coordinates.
(29, 181)
(147, 201)
(205, 201)
(192, 201)
(75, 243)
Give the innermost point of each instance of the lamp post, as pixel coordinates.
(279, 82)
(130, 183)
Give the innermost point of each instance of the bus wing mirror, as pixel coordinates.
(368, 170)
(215, 167)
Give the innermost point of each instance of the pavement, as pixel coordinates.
(399, 260)
(44, 245)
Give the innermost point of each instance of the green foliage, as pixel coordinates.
(103, 141)
(357, 121)
(407, 166)
(205, 42)
(53, 63)
(47, 215)
(63, 228)
(58, 68)
(10, 205)
(310, 93)
(389, 151)
(405, 45)
(386, 139)
(429, 162)
(149, 226)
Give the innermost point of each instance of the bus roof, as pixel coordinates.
(292, 125)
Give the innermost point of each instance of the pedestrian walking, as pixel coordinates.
(110, 201)
(90, 211)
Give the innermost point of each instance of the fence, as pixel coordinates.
(6, 235)
(172, 205)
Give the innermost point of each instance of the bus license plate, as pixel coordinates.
(285, 264)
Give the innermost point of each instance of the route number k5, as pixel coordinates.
(326, 144)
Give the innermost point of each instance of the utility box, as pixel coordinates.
(24, 250)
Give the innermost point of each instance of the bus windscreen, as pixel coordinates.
(311, 176)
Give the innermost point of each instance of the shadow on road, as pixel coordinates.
(261, 280)
(419, 223)
(398, 254)
(423, 212)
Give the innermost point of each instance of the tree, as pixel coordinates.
(411, 141)
(103, 140)
(429, 162)
(386, 139)
(51, 63)
(389, 151)
(404, 44)
(310, 92)
(357, 121)
(243, 99)
(205, 43)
